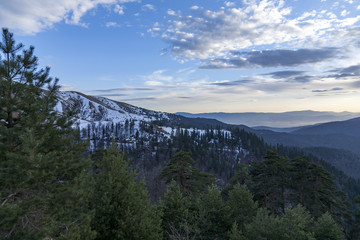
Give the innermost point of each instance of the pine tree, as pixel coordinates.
(214, 215)
(270, 180)
(327, 228)
(296, 224)
(42, 169)
(121, 204)
(177, 221)
(189, 178)
(264, 226)
(235, 233)
(314, 188)
(278, 182)
(241, 175)
(174, 211)
(355, 233)
(243, 208)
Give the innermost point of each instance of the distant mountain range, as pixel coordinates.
(339, 134)
(349, 127)
(275, 120)
(337, 142)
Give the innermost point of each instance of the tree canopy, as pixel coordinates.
(42, 169)
(189, 178)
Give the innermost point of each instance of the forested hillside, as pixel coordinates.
(130, 173)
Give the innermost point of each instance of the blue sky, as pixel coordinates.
(199, 56)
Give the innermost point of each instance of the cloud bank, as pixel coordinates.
(272, 58)
(217, 35)
(29, 17)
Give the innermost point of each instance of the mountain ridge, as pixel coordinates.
(102, 120)
(276, 120)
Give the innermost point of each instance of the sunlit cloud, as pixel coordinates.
(32, 16)
(216, 34)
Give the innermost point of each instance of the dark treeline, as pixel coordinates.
(214, 150)
(204, 184)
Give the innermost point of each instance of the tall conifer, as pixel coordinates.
(121, 204)
(41, 164)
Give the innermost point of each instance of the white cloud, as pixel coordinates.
(195, 7)
(171, 12)
(148, 7)
(119, 9)
(158, 76)
(229, 4)
(33, 16)
(214, 34)
(112, 24)
(344, 13)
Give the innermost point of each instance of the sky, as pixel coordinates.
(200, 55)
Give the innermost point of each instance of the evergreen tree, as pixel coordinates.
(235, 233)
(263, 227)
(270, 180)
(174, 212)
(189, 178)
(296, 224)
(243, 208)
(301, 184)
(121, 204)
(42, 169)
(326, 228)
(278, 182)
(355, 233)
(314, 187)
(214, 215)
(241, 175)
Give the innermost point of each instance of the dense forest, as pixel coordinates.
(60, 182)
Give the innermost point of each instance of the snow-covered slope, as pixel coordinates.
(150, 137)
(100, 109)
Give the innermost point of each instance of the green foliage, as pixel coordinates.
(241, 175)
(314, 188)
(214, 215)
(264, 226)
(270, 180)
(175, 212)
(243, 208)
(278, 182)
(121, 204)
(237, 216)
(188, 177)
(296, 224)
(326, 228)
(235, 233)
(42, 169)
(355, 232)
